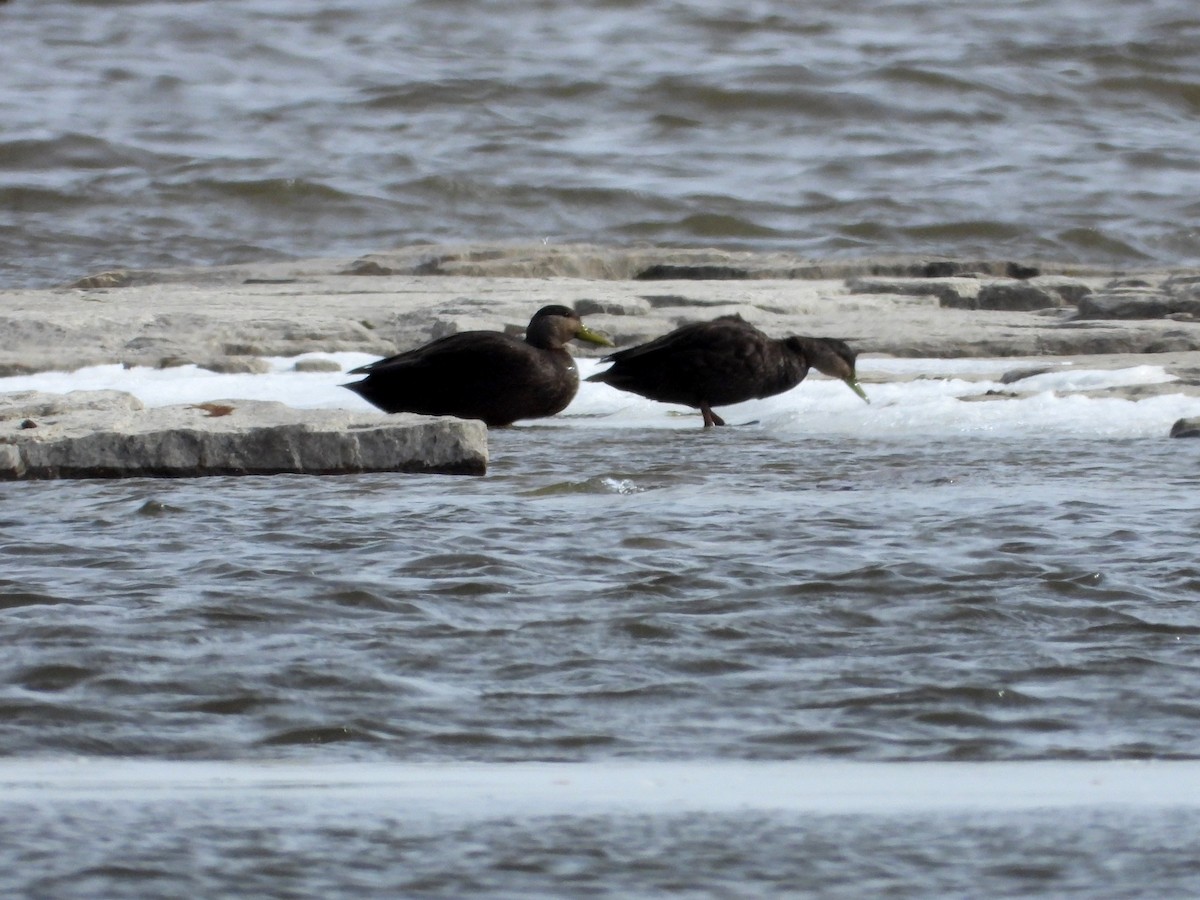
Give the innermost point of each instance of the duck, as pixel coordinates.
(488, 375)
(722, 361)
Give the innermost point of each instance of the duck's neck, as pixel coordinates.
(543, 336)
(820, 355)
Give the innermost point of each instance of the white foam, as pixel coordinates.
(937, 404)
(189, 384)
(485, 790)
(909, 405)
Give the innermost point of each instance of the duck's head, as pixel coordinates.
(831, 357)
(553, 326)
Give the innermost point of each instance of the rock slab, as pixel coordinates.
(1186, 428)
(230, 318)
(110, 434)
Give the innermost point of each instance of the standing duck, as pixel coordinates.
(724, 361)
(484, 375)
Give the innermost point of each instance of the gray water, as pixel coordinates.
(301, 847)
(641, 596)
(158, 133)
(667, 595)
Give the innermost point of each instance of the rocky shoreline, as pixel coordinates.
(228, 318)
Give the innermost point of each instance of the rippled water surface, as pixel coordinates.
(733, 595)
(357, 835)
(605, 596)
(151, 133)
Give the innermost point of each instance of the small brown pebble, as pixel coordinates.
(214, 409)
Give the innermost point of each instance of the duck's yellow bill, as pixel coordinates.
(593, 337)
(853, 384)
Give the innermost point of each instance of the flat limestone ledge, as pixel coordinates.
(110, 434)
(228, 318)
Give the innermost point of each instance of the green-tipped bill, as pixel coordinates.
(592, 337)
(853, 384)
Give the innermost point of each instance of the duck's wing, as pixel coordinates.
(688, 339)
(453, 349)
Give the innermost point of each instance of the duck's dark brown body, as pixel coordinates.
(724, 361)
(483, 374)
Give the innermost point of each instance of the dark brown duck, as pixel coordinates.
(484, 375)
(724, 361)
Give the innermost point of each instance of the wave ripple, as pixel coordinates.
(827, 130)
(736, 608)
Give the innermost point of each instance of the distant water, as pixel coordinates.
(150, 133)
